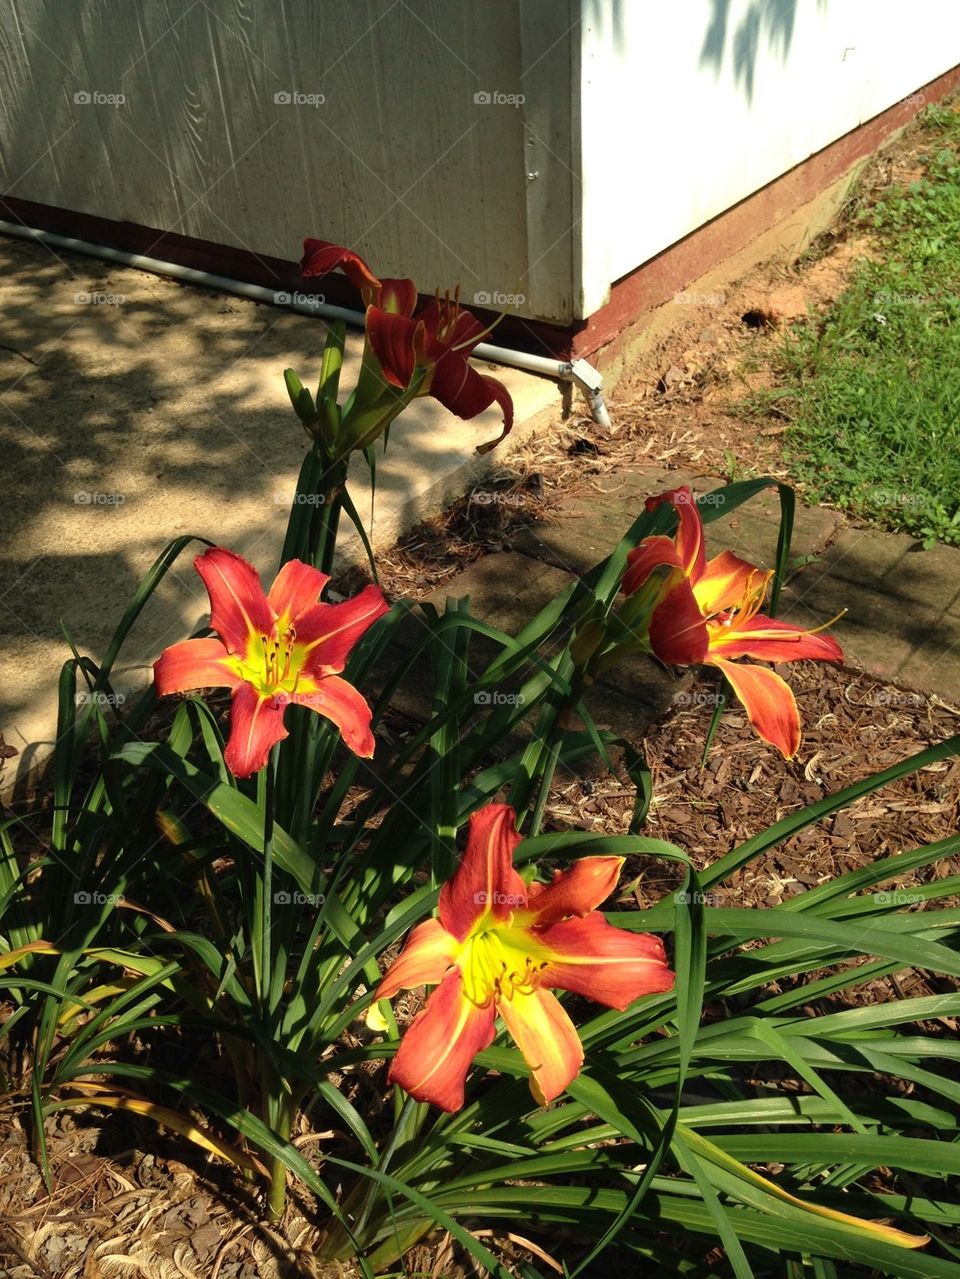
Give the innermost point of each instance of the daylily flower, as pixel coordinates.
(274, 650)
(320, 257)
(710, 614)
(437, 339)
(496, 948)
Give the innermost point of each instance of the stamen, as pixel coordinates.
(823, 625)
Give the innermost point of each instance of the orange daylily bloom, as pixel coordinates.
(275, 649)
(496, 948)
(710, 615)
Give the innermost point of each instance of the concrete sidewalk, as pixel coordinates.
(133, 410)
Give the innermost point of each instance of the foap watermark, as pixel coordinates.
(896, 697)
(96, 697)
(497, 297)
(84, 498)
(914, 99)
(297, 898)
(99, 298)
(82, 898)
(499, 899)
(892, 497)
(294, 98)
(897, 897)
(299, 299)
(494, 98)
(299, 499)
(488, 497)
(712, 499)
(95, 98)
(889, 297)
(699, 697)
(685, 898)
(492, 697)
(689, 297)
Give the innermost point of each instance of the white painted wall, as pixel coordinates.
(640, 121)
(182, 129)
(688, 107)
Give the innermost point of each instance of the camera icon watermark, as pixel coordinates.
(896, 697)
(299, 499)
(297, 898)
(498, 298)
(82, 898)
(98, 499)
(698, 697)
(495, 898)
(99, 299)
(94, 98)
(897, 897)
(493, 697)
(685, 898)
(487, 497)
(98, 698)
(294, 98)
(689, 297)
(494, 98)
(299, 299)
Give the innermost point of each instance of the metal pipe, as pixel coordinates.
(589, 379)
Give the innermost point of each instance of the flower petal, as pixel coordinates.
(256, 725)
(678, 631)
(436, 1051)
(195, 663)
(329, 631)
(576, 891)
(296, 588)
(607, 964)
(398, 296)
(461, 389)
(773, 641)
(643, 559)
(768, 701)
(723, 583)
(689, 537)
(391, 338)
(428, 953)
(320, 257)
(485, 881)
(238, 607)
(548, 1040)
(338, 701)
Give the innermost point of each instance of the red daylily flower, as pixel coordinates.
(710, 615)
(496, 948)
(320, 257)
(438, 337)
(274, 650)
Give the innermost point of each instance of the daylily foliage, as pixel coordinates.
(498, 947)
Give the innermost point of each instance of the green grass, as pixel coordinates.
(872, 388)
